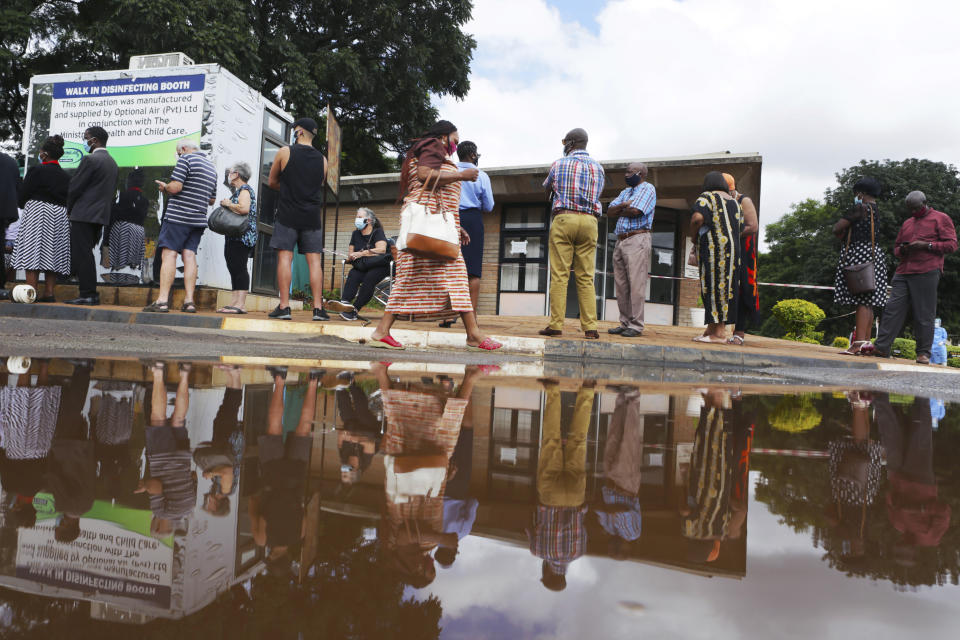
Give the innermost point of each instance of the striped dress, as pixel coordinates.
(425, 289)
(43, 241)
(28, 416)
(127, 245)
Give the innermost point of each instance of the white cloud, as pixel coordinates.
(814, 86)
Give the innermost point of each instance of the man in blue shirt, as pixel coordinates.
(631, 257)
(476, 198)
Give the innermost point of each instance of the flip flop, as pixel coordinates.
(707, 339)
(387, 342)
(233, 311)
(488, 344)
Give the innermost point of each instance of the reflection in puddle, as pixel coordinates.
(459, 502)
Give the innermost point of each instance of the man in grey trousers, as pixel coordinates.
(924, 239)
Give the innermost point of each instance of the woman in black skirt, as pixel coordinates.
(857, 229)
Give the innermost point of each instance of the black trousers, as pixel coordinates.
(360, 285)
(84, 237)
(236, 254)
(3, 268)
(916, 292)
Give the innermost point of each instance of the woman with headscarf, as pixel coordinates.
(857, 228)
(716, 226)
(422, 288)
(125, 235)
(748, 311)
(43, 240)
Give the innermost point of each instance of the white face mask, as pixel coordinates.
(361, 223)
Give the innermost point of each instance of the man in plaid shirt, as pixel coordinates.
(575, 183)
(631, 257)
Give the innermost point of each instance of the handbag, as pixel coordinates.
(227, 223)
(403, 485)
(428, 235)
(861, 278)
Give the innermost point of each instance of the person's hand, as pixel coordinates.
(464, 237)
(470, 174)
(225, 203)
(161, 185)
(917, 245)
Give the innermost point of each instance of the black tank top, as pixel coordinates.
(301, 188)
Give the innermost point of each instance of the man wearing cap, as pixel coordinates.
(924, 239)
(631, 257)
(574, 183)
(299, 173)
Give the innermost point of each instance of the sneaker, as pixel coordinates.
(349, 315)
(319, 315)
(338, 306)
(280, 313)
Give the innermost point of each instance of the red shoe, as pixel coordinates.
(386, 342)
(488, 344)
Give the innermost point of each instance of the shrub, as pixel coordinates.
(799, 318)
(904, 348)
(794, 414)
(953, 356)
(841, 343)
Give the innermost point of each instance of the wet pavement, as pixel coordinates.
(449, 501)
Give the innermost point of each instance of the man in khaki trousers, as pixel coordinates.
(575, 182)
(631, 258)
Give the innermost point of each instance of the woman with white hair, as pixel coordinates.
(243, 202)
(369, 259)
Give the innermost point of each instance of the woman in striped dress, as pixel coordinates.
(425, 289)
(125, 235)
(43, 241)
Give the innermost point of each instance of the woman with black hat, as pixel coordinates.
(857, 228)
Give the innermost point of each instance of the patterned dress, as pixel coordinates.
(719, 253)
(861, 250)
(43, 240)
(425, 289)
(749, 311)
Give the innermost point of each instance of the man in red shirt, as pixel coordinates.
(924, 239)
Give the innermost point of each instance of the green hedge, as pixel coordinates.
(841, 343)
(799, 318)
(904, 348)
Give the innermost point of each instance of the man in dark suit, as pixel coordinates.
(9, 181)
(89, 201)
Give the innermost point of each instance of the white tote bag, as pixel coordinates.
(428, 235)
(402, 487)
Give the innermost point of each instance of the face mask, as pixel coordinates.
(857, 200)
(567, 148)
(451, 148)
(293, 137)
(936, 322)
(361, 223)
(40, 157)
(634, 180)
(86, 146)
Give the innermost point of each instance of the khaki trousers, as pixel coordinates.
(573, 240)
(562, 468)
(631, 271)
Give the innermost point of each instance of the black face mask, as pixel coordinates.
(634, 180)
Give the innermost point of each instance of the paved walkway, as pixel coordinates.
(659, 345)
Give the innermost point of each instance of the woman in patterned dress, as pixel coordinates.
(716, 226)
(125, 235)
(43, 240)
(857, 229)
(425, 289)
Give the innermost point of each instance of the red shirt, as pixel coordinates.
(930, 226)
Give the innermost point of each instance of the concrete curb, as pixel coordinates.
(95, 314)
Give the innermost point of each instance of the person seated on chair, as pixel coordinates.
(369, 260)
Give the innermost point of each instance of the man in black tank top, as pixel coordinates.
(299, 174)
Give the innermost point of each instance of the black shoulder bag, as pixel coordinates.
(861, 278)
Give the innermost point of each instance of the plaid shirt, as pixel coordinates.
(577, 181)
(558, 535)
(642, 197)
(625, 524)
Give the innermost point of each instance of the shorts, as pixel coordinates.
(167, 439)
(274, 448)
(179, 237)
(306, 240)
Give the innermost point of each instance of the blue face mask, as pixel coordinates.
(360, 223)
(86, 146)
(857, 200)
(633, 180)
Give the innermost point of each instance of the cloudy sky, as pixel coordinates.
(813, 86)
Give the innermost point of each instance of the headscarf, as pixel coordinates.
(731, 183)
(867, 186)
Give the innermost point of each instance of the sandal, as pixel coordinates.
(708, 339)
(188, 307)
(488, 344)
(386, 342)
(157, 307)
(857, 348)
(231, 311)
(735, 340)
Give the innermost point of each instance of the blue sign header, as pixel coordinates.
(127, 87)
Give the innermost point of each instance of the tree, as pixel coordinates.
(803, 250)
(376, 63)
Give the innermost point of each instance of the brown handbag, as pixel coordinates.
(861, 278)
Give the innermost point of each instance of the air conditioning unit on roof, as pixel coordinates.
(160, 60)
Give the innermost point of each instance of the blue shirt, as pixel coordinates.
(475, 195)
(643, 198)
(577, 182)
(199, 179)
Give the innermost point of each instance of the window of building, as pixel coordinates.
(663, 258)
(523, 249)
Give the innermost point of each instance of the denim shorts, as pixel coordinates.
(179, 237)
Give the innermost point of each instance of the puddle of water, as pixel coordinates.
(443, 501)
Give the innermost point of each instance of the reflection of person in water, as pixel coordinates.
(558, 535)
(359, 436)
(619, 513)
(716, 508)
(72, 472)
(112, 430)
(276, 512)
(28, 418)
(855, 469)
(169, 481)
(913, 506)
(459, 507)
(220, 459)
(423, 426)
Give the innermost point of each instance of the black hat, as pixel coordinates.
(307, 123)
(868, 186)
